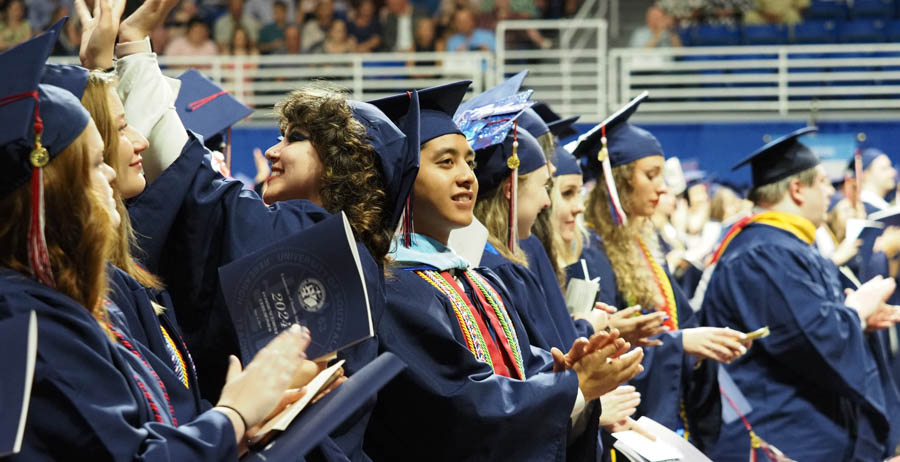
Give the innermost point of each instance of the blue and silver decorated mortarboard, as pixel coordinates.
(780, 158)
(37, 122)
(436, 108)
(616, 142)
(504, 89)
(396, 141)
(207, 109)
(565, 162)
(533, 123)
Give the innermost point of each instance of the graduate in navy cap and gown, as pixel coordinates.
(475, 388)
(678, 388)
(96, 391)
(879, 178)
(816, 389)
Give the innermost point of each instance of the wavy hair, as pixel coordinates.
(493, 212)
(634, 279)
(96, 101)
(77, 228)
(352, 178)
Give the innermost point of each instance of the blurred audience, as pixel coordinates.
(14, 28)
(195, 43)
(401, 19)
(271, 36)
(659, 31)
(234, 18)
(467, 37)
(316, 29)
(365, 28)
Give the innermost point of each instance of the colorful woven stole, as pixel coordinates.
(664, 285)
(506, 358)
(180, 367)
(670, 308)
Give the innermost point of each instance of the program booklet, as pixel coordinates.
(313, 278)
(18, 339)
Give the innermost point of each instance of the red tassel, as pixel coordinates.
(194, 105)
(38, 256)
(228, 152)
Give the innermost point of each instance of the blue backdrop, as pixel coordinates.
(714, 146)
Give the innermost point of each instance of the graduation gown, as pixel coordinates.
(88, 396)
(539, 264)
(813, 383)
(191, 221)
(160, 334)
(670, 377)
(449, 406)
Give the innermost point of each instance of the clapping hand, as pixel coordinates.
(637, 328)
(98, 32)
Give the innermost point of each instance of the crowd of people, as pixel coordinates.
(120, 215)
(217, 27)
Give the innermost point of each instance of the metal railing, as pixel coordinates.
(759, 82)
(261, 81)
(569, 75)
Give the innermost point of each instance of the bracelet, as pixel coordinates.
(244, 421)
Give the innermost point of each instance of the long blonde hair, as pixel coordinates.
(78, 229)
(634, 278)
(493, 212)
(96, 101)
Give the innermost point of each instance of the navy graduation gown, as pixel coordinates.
(144, 326)
(539, 265)
(670, 377)
(447, 405)
(813, 383)
(87, 398)
(191, 221)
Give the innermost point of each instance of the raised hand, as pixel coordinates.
(637, 328)
(716, 343)
(98, 32)
(147, 17)
(582, 347)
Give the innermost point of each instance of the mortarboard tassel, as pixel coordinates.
(618, 214)
(513, 164)
(406, 226)
(228, 152)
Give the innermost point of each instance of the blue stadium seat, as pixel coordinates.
(684, 33)
(765, 34)
(882, 9)
(861, 31)
(715, 35)
(826, 9)
(812, 32)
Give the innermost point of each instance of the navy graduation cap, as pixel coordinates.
(616, 142)
(565, 162)
(866, 157)
(395, 139)
(207, 109)
(780, 158)
(559, 126)
(533, 123)
(37, 122)
(71, 78)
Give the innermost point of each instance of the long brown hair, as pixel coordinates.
(352, 179)
(634, 278)
(77, 228)
(493, 212)
(96, 101)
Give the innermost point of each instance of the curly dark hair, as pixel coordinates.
(352, 178)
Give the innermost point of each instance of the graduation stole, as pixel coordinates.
(476, 329)
(800, 227)
(180, 367)
(664, 285)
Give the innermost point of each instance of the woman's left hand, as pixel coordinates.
(98, 32)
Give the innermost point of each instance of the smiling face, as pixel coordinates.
(445, 188)
(532, 198)
(567, 205)
(127, 159)
(647, 185)
(296, 169)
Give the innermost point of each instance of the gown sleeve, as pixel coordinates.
(83, 403)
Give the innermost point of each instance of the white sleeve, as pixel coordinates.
(149, 100)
